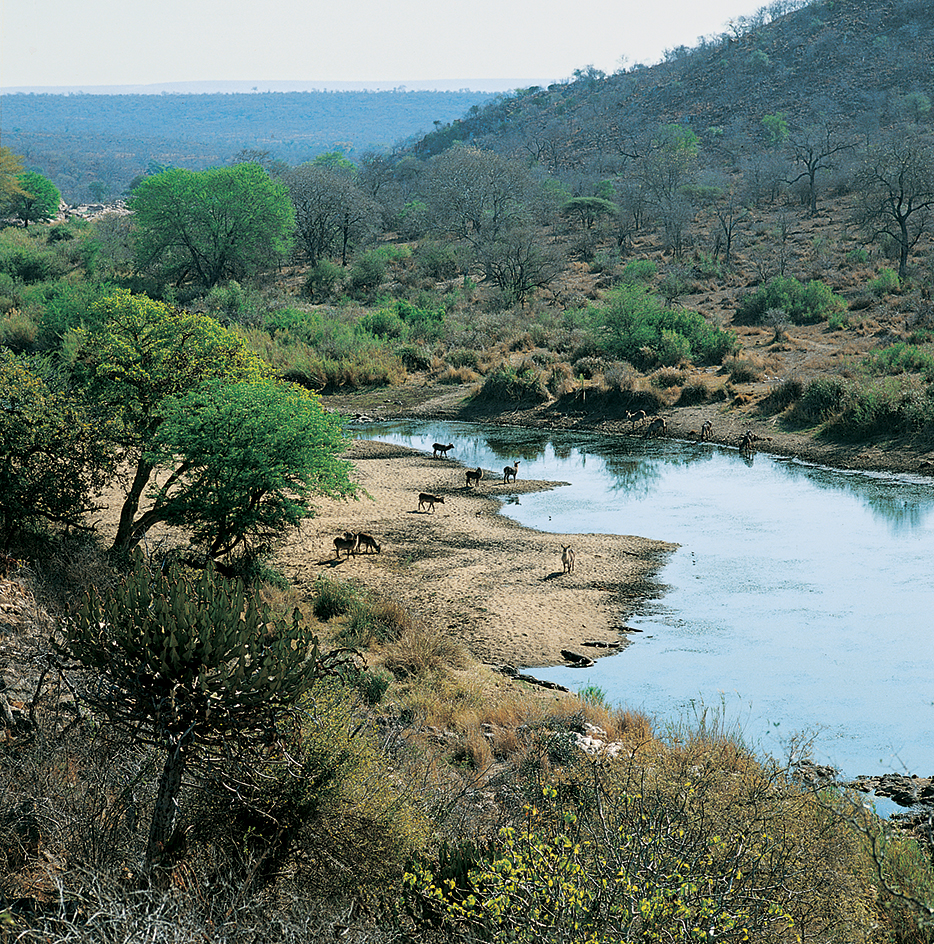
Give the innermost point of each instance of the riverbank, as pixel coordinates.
(484, 580)
(729, 421)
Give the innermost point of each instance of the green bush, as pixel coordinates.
(639, 270)
(802, 303)
(891, 407)
(902, 358)
(783, 395)
(322, 279)
(382, 324)
(25, 258)
(885, 283)
(637, 327)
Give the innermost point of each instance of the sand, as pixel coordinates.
(497, 587)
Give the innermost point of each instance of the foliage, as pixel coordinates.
(207, 226)
(11, 166)
(638, 328)
(802, 303)
(890, 407)
(248, 456)
(586, 211)
(404, 320)
(39, 200)
(821, 398)
(322, 279)
(24, 257)
(186, 663)
(322, 806)
(511, 385)
(901, 358)
(142, 354)
(639, 270)
(61, 306)
(885, 283)
(51, 458)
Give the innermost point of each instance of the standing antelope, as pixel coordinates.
(348, 542)
(657, 427)
(706, 430)
(510, 472)
(429, 501)
(365, 540)
(637, 417)
(567, 558)
(441, 450)
(473, 477)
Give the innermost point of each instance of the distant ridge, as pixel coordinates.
(247, 86)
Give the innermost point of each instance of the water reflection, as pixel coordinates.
(798, 590)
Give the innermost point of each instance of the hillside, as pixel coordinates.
(862, 62)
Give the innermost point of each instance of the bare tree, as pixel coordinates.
(896, 188)
(813, 149)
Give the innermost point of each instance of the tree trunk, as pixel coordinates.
(163, 816)
(124, 539)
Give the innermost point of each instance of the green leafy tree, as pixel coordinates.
(39, 200)
(207, 226)
(11, 166)
(189, 665)
(248, 458)
(144, 353)
(51, 458)
(587, 210)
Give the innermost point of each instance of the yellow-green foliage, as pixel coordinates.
(688, 841)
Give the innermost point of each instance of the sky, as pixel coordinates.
(89, 43)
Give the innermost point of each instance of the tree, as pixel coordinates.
(11, 166)
(518, 263)
(143, 353)
(248, 458)
(587, 210)
(39, 200)
(51, 459)
(331, 210)
(187, 665)
(206, 226)
(813, 149)
(896, 195)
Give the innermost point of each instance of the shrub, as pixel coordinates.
(887, 408)
(783, 395)
(322, 279)
(822, 398)
(333, 598)
(639, 270)
(802, 303)
(25, 258)
(742, 370)
(638, 328)
(695, 392)
(438, 261)
(668, 377)
(901, 358)
(885, 283)
(382, 323)
(507, 384)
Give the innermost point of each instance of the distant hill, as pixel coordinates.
(857, 60)
(82, 140)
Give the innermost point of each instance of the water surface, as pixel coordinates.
(800, 599)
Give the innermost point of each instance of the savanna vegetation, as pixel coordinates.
(206, 753)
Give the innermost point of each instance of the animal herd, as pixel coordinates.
(349, 543)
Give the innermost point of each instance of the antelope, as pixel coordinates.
(441, 450)
(429, 501)
(367, 541)
(567, 558)
(706, 430)
(637, 417)
(510, 472)
(347, 542)
(473, 478)
(658, 427)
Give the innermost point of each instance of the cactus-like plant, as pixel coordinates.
(186, 662)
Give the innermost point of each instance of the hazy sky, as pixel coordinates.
(129, 42)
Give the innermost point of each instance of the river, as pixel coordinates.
(798, 607)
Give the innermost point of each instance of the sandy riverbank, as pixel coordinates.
(497, 587)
